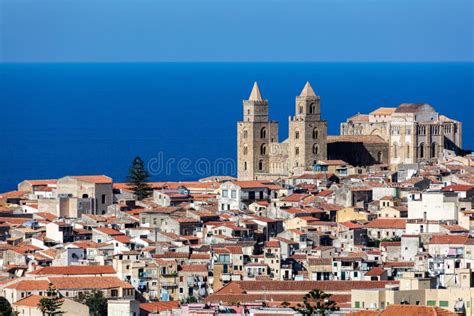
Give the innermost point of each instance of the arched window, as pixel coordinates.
(85, 196)
(245, 165)
(301, 110)
(245, 133)
(260, 165)
(380, 157)
(434, 152)
(395, 150)
(263, 149)
(315, 133)
(313, 108)
(310, 109)
(245, 149)
(315, 149)
(421, 150)
(297, 134)
(297, 150)
(263, 133)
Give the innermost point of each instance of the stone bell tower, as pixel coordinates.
(254, 135)
(307, 133)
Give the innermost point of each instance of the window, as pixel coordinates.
(245, 165)
(114, 293)
(434, 148)
(245, 149)
(263, 133)
(245, 133)
(421, 151)
(263, 149)
(225, 193)
(297, 151)
(260, 165)
(297, 134)
(233, 194)
(443, 303)
(315, 149)
(395, 150)
(315, 133)
(357, 304)
(103, 198)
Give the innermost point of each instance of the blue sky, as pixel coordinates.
(236, 30)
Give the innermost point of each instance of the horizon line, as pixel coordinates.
(244, 62)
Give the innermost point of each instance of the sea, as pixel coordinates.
(180, 118)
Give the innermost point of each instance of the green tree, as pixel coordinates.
(5, 307)
(316, 302)
(137, 179)
(96, 302)
(52, 302)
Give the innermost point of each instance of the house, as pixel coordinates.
(384, 228)
(238, 195)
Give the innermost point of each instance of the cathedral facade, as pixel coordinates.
(414, 132)
(260, 156)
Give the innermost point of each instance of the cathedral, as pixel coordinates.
(414, 132)
(407, 134)
(261, 156)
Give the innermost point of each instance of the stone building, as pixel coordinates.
(261, 156)
(414, 132)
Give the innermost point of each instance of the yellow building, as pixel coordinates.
(351, 214)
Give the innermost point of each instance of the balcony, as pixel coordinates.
(168, 284)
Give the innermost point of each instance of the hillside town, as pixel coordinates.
(374, 221)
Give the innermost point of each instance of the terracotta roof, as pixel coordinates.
(376, 271)
(30, 301)
(448, 239)
(325, 193)
(458, 187)
(194, 268)
(155, 307)
(387, 223)
(29, 285)
(108, 231)
(272, 244)
(383, 111)
(295, 198)
(12, 194)
(93, 179)
(74, 270)
(235, 287)
(352, 225)
(89, 283)
(42, 182)
(390, 244)
(406, 310)
(398, 264)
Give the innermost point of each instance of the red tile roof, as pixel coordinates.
(89, 283)
(387, 223)
(448, 239)
(194, 268)
(458, 188)
(74, 270)
(156, 307)
(30, 301)
(93, 179)
(376, 271)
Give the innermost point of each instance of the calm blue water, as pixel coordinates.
(60, 119)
